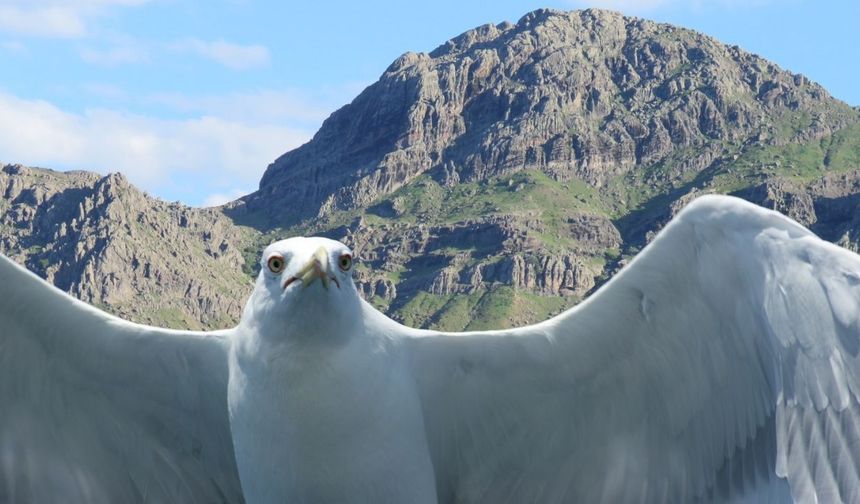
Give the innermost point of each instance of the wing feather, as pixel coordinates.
(720, 365)
(96, 409)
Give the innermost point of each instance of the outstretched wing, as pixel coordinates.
(94, 409)
(720, 365)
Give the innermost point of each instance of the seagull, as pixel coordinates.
(720, 365)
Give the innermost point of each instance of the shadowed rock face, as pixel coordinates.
(588, 95)
(492, 182)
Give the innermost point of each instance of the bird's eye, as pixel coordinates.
(345, 262)
(276, 264)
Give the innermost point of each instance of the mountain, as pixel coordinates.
(107, 243)
(501, 177)
(587, 96)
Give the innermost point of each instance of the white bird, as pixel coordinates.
(721, 365)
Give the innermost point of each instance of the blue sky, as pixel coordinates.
(192, 99)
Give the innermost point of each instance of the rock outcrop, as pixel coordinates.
(109, 244)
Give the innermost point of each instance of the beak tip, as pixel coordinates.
(317, 267)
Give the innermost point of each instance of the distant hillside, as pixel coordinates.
(111, 245)
(496, 180)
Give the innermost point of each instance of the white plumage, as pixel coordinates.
(721, 365)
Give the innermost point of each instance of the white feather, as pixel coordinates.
(98, 410)
(720, 366)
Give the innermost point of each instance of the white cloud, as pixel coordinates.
(218, 199)
(219, 155)
(270, 106)
(83, 6)
(116, 55)
(235, 56)
(105, 91)
(57, 22)
(54, 18)
(122, 49)
(15, 47)
(74, 4)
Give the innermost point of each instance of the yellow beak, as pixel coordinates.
(317, 267)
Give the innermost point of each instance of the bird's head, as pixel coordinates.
(304, 286)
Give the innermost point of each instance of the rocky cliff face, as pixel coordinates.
(499, 251)
(586, 95)
(109, 244)
(829, 205)
(494, 181)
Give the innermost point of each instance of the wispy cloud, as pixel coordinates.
(54, 18)
(122, 49)
(234, 56)
(105, 91)
(13, 47)
(218, 199)
(115, 55)
(42, 22)
(221, 155)
(305, 108)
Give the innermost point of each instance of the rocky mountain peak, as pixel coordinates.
(585, 95)
(492, 182)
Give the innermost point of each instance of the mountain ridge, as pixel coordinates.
(492, 101)
(108, 243)
(494, 181)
